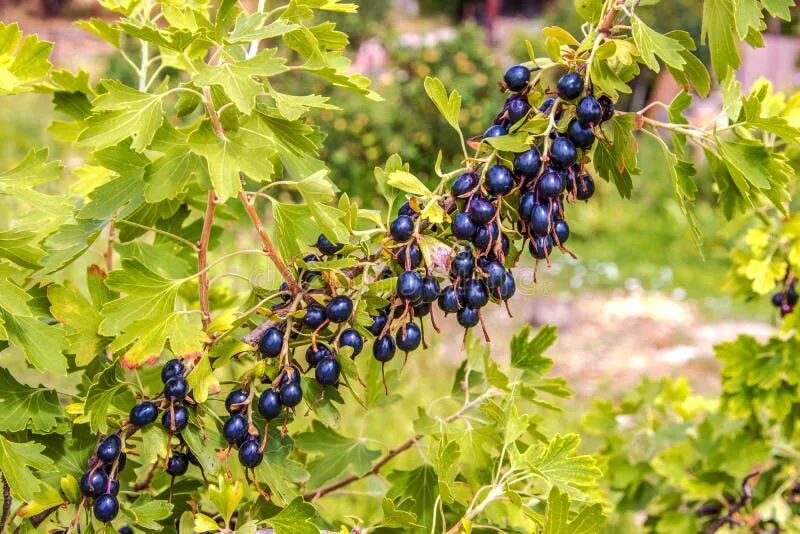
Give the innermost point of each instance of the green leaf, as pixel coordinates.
(618, 162)
(719, 31)
(22, 61)
(251, 28)
(421, 485)
(42, 344)
(558, 463)
(394, 517)
(23, 407)
(589, 10)
(651, 44)
(145, 340)
(104, 390)
(296, 518)
(449, 107)
(226, 497)
(337, 454)
(557, 512)
(528, 352)
(148, 514)
(202, 380)
(405, 181)
(279, 471)
(16, 461)
(81, 319)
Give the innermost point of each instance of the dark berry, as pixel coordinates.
(608, 107)
(339, 309)
(327, 372)
(547, 105)
(378, 324)
(109, 449)
(271, 342)
(351, 338)
(561, 230)
(409, 285)
(314, 356)
(176, 388)
(422, 309)
(402, 228)
(505, 244)
(585, 187)
(541, 220)
(178, 463)
(486, 236)
(315, 316)
(496, 130)
(326, 246)
(463, 227)
(113, 487)
(777, 299)
(143, 413)
(181, 419)
(94, 482)
(430, 289)
(408, 337)
(495, 274)
(580, 135)
(409, 256)
(464, 184)
(269, 404)
(235, 401)
(562, 152)
(291, 395)
(126, 530)
(541, 247)
(290, 375)
(467, 317)
(528, 163)
(450, 299)
(499, 180)
(463, 265)
(570, 86)
(509, 287)
(235, 429)
(171, 368)
(106, 507)
(475, 294)
(307, 274)
(589, 111)
(407, 210)
(250, 454)
(527, 203)
(517, 78)
(518, 109)
(121, 461)
(481, 211)
(383, 349)
(550, 185)
(791, 295)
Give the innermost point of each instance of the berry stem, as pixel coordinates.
(202, 258)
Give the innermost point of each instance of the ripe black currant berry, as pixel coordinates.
(181, 419)
(450, 299)
(463, 227)
(509, 287)
(106, 507)
(505, 244)
(291, 395)
(176, 388)
(409, 285)
(250, 454)
(475, 294)
(547, 105)
(791, 295)
(409, 256)
(422, 309)
(94, 482)
(315, 316)
(143, 414)
(290, 375)
(271, 342)
(777, 299)
(109, 449)
(561, 230)
(608, 107)
(308, 275)
(339, 309)
(378, 324)
(580, 135)
(467, 317)
(327, 372)
(430, 289)
(235, 401)
(495, 274)
(528, 163)
(585, 187)
(406, 209)
(486, 236)
(518, 109)
(527, 203)
(495, 130)
(113, 487)
(517, 78)
(383, 349)
(541, 246)
(351, 338)
(269, 404)
(589, 111)
(408, 337)
(464, 184)
(235, 429)
(499, 180)
(178, 463)
(562, 152)
(314, 356)
(121, 461)
(541, 221)
(125, 530)
(463, 265)
(328, 247)
(550, 185)
(570, 86)
(171, 368)
(481, 211)
(402, 228)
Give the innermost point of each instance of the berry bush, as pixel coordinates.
(156, 381)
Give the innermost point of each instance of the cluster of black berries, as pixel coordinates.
(786, 299)
(100, 482)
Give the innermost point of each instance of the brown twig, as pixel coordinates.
(747, 495)
(6, 504)
(216, 124)
(202, 258)
(148, 478)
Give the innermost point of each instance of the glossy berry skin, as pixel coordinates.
(509, 287)
(527, 203)
(481, 211)
(422, 309)
(339, 309)
(384, 348)
(570, 86)
(269, 404)
(409, 256)
(249, 454)
(308, 275)
(271, 342)
(486, 236)
(378, 324)
(541, 247)
(291, 395)
(176, 388)
(408, 337)
(580, 135)
(495, 274)
(430, 289)
(171, 368)
(94, 485)
(777, 299)
(235, 400)
(475, 294)
(315, 316)
(290, 375)
(463, 265)
(463, 227)
(178, 463)
(402, 228)
(449, 300)
(517, 77)
(113, 487)
(181, 419)
(314, 356)
(551, 184)
(518, 109)
(463, 184)
(143, 414)
(409, 285)
(547, 105)
(589, 111)
(467, 317)
(235, 429)
(351, 338)
(541, 221)
(585, 187)
(121, 461)
(528, 163)
(126, 530)
(607, 106)
(791, 295)
(495, 130)
(407, 210)
(562, 152)
(327, 372)
(499, 180)
(106, 507)
(109, 449)
(561, 230)
(328, 247)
